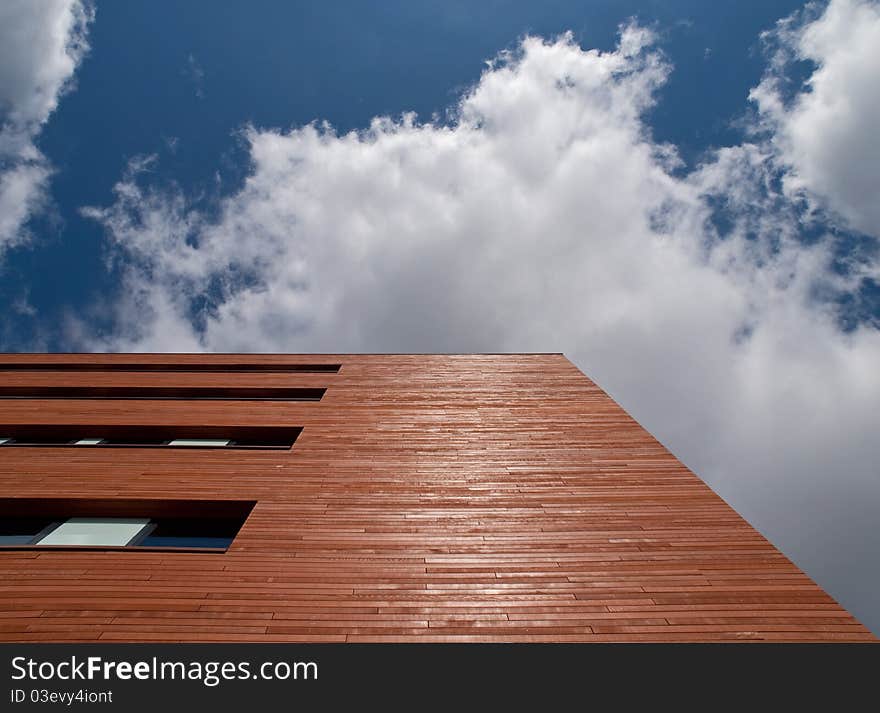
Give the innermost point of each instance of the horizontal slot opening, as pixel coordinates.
(144, 366)
(60, 523)
(116, 436)
(233, 393)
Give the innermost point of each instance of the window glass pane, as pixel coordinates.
(133, 442)
(195, 532)
(20, 530)
(200, 442)
(102, 531)
(114, 435)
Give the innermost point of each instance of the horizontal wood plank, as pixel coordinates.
(428, 498)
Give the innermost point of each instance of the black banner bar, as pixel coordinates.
(242, 677)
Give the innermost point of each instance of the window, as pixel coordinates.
(101, 531)
(228, 393)
(180, 532)
(203, 525)
(61, 365)
(116, 436)
(21, 530)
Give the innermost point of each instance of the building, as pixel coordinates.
(365, 498)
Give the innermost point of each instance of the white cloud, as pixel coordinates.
(41, 44)
(195, 74)
(546, 219)
(21, 193)
(828, 133)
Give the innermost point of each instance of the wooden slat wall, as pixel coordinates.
(429, 498)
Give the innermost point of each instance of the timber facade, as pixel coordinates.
(365, 498)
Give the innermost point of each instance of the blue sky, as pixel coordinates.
(193, 75)
(678, 195)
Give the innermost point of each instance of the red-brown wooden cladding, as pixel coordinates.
(428, 498)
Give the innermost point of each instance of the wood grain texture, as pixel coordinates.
(428, 498)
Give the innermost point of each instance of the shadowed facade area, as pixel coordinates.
(426, 498)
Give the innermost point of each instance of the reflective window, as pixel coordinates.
(195, 532)
(156, 436)
(100, 531)
(21, 530)
(209, 525)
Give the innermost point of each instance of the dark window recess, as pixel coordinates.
(21, 530)
(117, 436)
(180, 532)
(235, 393)
(204, 525)
(177, 368)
